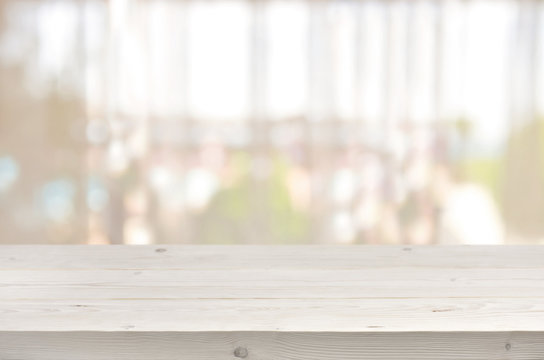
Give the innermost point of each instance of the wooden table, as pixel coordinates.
(271, 303)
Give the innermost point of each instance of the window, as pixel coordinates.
(273, 121)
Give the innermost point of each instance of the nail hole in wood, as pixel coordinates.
(508, 346)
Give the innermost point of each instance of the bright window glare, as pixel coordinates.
(287, 25)
(218, 59)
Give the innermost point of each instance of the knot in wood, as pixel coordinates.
(240, 352)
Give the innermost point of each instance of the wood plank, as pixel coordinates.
(245, 257)
(310, 315)
(271, 283)
(263, 288)
(270, 345)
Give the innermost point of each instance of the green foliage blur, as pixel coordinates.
(515, 178)
(251, 210)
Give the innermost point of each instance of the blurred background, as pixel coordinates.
(272, 121)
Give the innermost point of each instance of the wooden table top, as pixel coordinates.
(272, 288)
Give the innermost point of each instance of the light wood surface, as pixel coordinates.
(271, 303)
(309, 289)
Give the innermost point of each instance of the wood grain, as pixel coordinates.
(253, 288)
(246, 257)
(270, 346)
(271, 303)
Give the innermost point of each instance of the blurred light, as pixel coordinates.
(367, 212)
(117, 157)
(201, 185)
(470, 217)
(343, 227)
(136, 232)
(160, 177)
(97, 195)
(343, 186)
(57, 200)
(9, 172)
(299, 184)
